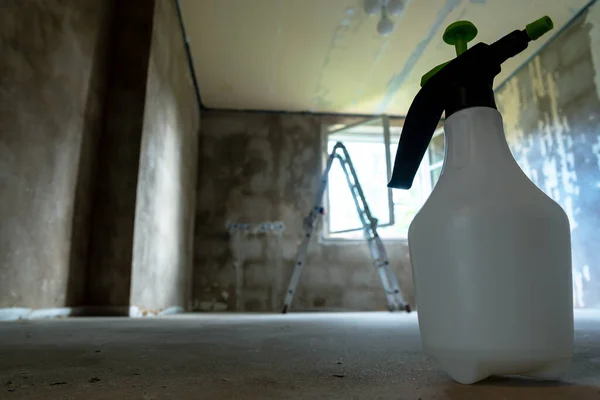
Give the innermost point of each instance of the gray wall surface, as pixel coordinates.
(266, 167)
(52, 79)
(166, 188)
(111, 244)
(551, 111)
(98, 155)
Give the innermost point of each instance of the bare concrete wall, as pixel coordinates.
(52, 79)
(551, 110)
(111, 254)
(266, 167)
(166, 188)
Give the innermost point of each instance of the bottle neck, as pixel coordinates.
(475, 138)
(475, 93)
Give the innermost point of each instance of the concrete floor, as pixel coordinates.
(294, 356)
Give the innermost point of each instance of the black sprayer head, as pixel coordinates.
(466, 81)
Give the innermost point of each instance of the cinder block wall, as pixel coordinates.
(266, 167)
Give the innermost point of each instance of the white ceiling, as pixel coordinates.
(326, 55)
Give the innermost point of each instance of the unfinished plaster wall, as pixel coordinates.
(551, 111)
(111, 254)
(52, 80)
(266, 167)
(166, 188)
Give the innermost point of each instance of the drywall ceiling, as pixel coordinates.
(326, 55)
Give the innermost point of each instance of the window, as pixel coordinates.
(365, 144)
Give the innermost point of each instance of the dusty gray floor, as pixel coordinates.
(296, 356)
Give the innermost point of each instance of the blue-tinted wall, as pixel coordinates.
(551, 110)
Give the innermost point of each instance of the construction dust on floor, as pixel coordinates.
(260, 356)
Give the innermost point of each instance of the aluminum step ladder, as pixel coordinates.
(395, 301)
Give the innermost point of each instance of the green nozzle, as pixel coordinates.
(459, 34)
(538, 28)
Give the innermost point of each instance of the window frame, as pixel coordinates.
(424, 174)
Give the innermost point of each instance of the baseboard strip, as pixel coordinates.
(21, 313)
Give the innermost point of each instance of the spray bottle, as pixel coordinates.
(490, 252)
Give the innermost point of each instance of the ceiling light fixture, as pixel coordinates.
(385, 26)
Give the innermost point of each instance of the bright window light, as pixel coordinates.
(367, 153)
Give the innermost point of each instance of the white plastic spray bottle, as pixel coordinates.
(490, 252)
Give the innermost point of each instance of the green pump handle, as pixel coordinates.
(459, 33)
(464, 82)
